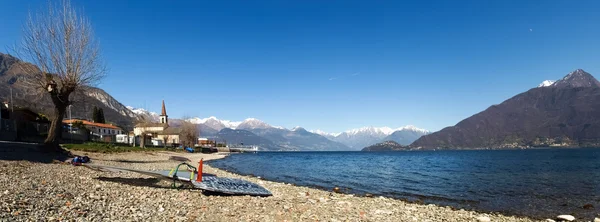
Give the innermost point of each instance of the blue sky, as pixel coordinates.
(332, 65)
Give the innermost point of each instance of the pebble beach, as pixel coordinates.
(57, 191)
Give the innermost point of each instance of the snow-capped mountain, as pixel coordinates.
(299, 138)
(287, 138)
(297, 128)
(144, 113)
(546, 83)
(215, 123)
(577, 79)
(269, 137)
(412, 128)
(366, 136)
(374, 131)
(323, 133)
(380, 131)
(108, 101)
(252, 123)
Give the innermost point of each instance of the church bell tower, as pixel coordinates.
(164, 119)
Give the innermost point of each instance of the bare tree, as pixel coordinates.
(189, 133)
(60, 44)
(166, 139)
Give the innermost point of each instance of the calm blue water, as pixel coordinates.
(536, 183)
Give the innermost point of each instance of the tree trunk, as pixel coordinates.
(61, 101)
(55, 132)
(143, 141)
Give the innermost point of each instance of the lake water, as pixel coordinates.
(540, 183)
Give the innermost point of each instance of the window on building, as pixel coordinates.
(104, 130)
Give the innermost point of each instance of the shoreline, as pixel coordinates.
(369, 195)
(59, 191)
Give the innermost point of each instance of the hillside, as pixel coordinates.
(386, 146)
(405, 136)
(563, 113)
(83, 102)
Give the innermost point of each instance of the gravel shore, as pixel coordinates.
(34, 191)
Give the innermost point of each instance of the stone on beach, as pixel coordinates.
(565, 217)
(336, 189)
(483, 219)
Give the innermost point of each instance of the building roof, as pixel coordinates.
(170, 131)
(151, 125)
(26, 111)
(164, 110)
(88, 123)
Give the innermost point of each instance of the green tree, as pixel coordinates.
(79, 125)
(95, 114)
(101, 116)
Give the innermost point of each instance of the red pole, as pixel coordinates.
(199, 177)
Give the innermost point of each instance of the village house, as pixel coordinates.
(97, 129)
(8, 111)
(205, 142)
(158, 134)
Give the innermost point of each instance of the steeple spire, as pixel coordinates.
(164, 119)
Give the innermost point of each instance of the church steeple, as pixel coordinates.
(164, 119)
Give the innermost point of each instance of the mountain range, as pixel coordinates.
(356, 139)
(297, 138)
(249, 131)
(560, 113)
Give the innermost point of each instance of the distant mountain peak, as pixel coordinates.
(370, 129)
(577, 78)
(143, 113)
(215, 122)
(412, 128)
(546, 83)
(253, 123)
(386, 131)
(323, 133)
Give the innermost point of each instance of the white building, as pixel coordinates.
(98, 129)
(161, 131)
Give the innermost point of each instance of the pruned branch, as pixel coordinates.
(63, 57)
(60, 45)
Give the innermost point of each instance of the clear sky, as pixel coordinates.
(332, 65)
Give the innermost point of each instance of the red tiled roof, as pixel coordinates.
(88, 123)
